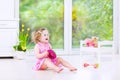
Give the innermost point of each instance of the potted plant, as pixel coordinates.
(20, 48)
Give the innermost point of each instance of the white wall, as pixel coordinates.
(119, 24)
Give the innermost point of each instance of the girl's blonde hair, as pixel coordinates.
(37, 34)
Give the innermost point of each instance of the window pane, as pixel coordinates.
(91, 18)
(44, 13)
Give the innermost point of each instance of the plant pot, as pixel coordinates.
(20, 55)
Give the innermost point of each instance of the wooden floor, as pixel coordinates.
(14, 69)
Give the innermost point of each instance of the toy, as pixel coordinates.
(52, 54)
(94, 65)
(91, 42)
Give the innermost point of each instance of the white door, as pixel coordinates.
(9, 24)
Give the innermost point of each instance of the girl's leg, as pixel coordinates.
(49, 64)
(43, 67)
(66, 64)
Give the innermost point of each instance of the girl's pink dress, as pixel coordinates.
(42, 48)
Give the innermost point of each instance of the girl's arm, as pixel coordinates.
(37, 54)
(50, 46)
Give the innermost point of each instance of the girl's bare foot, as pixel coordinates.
(73, 69)
(59, 70)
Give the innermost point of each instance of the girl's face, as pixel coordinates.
(44, 37)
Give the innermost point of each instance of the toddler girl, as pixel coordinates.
(41, 39)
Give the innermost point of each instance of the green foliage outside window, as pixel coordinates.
(44, 13)
(92, 18)
(89, 18)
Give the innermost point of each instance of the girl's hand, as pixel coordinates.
(45, 54)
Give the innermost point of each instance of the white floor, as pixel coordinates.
(109, 69)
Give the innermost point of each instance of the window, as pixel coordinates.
(91, 18)
(70, 21)
(44, 13)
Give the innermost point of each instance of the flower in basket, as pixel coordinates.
(22, 39)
